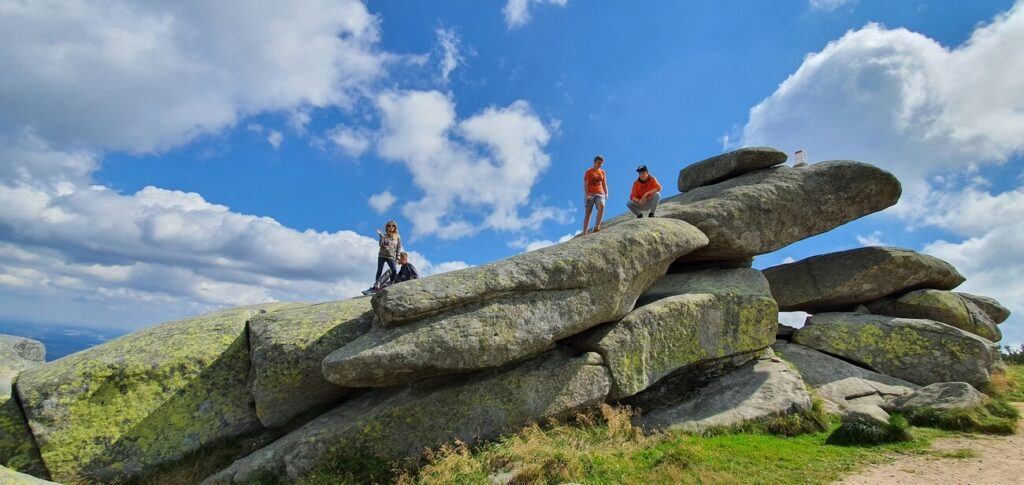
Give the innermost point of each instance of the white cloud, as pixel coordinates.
(275, 138)
(298, 120)
(517, 12)
(448, 42)
(500, 150)
(873, 239)
(528, 245)
(830, 5)
(353, 141)
(142, 77)
(382, 202)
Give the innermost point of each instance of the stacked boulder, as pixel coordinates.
(665, 314)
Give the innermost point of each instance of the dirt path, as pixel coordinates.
(992, 460)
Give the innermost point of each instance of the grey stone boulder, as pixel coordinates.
(865, 414)
(682, 320)
(942, 306)
(728, 165)
(490, 315)
(12, 477)
(764, 210)
(841, 280)
(17, 449)
(920, 351)
(942, 396)
(127, 406)
(287, 348)
(995, 311)
(405, 421)
(756, 391)
(839, 382)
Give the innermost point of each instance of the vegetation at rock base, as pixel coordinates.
(994, 417)
(896, 431)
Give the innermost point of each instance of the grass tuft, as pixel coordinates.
(814, 420)
(895, 431)
(994, 417)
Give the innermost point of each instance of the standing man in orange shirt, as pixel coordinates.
(595, 192)
(645, 195)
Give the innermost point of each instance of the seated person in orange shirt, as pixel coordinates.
(595, 192)
(645, 195)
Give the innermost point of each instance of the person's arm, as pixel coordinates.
(412, 271)
(399, 250)
(633, 195)
(586, 182)
(604, 183)
(654, 188)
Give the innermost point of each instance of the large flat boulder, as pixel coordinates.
(287, 348)
(12, 477)
(841, 280)
(942, 306)
(764, 210)
(121, 408)
(761, 389)
(942, 396)
(682, 320)
(728, 165)
(402, 422)
(920, 351)
(17, 449)
(995, 311)
(839, 382)
(490, 315)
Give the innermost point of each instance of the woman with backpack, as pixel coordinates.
(390, 247)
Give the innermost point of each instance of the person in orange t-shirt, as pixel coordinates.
(645, 195)
(595, 192)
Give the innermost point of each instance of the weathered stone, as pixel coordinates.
(690, 266)
(287, 348)
(942, 306)
(920, 351)
(490, 315)
(728, 165)
(17, 449)
(123, 407)
(943, 396)
(756, 391)
(998, 313)
(12, 477)
(684, 319)
(836, 281)
(401, 422)
(865, 414)
(785, 332)
(673, 388)
(837, 381)
(768, 209)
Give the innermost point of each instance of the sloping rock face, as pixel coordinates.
(942, 306)
(151, 397)
(768, 209)
(682, 320)
(17, 450)
(998, 313)
(920, 351)
(841, 280)
(490, 315)
(401, 422)
(943, 396)
(287, 348)
(728, 165)
(756, 391)
(11, 477)
(839, 382)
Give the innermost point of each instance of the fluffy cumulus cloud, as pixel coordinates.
(145, 76)
(517, 12)
(382, 202)
(476, 173)
(352, 141)
(529, 245)
(938, 117)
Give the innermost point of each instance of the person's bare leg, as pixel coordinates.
(600, 215)
(586, 220)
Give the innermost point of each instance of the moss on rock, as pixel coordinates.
(17, 448)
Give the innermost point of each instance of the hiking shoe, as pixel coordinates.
(650, 215)
(639, 216)
(369, 291)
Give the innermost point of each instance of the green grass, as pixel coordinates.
(994, 417)
(896, 431)
(1014, 390)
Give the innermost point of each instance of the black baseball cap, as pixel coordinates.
(642, 168)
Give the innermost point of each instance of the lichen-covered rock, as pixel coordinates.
(123, 407)
(401, 422)
(942, 396)
(841, 280)
(494, 314)
(839, 382)
(728, 165)
(942, 306)
(17, 450)
(12, 477)
(758, 390)
(287, 347)
(865, 414)
(764, 210)
(998, 313)
(920, 351)
(684, 319)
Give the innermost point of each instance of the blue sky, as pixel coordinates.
(158, 161)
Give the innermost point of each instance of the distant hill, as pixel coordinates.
(60, 340)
